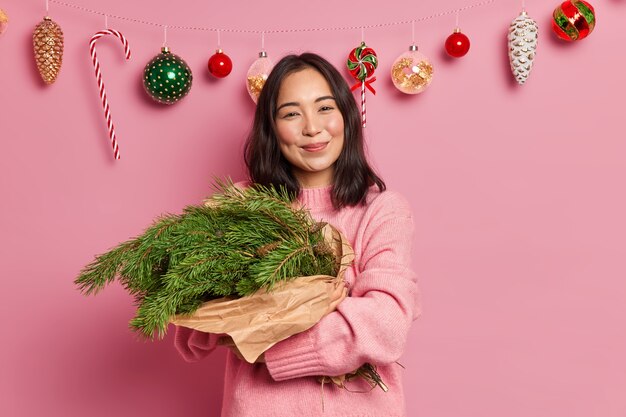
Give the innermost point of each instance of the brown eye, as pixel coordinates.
(326, 108)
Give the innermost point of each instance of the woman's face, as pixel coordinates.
(309, 127)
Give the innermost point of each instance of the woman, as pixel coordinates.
(307, 136)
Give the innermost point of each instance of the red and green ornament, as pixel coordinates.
(362, 62)
(573, 20)
(220, 64)
(167, 77)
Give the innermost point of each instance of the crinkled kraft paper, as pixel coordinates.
(259, 321)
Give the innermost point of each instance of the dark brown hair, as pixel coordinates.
(267, 166)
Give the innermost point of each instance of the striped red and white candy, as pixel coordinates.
(103, 95)
(362, 62)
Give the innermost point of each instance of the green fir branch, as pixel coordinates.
(104, 268)
(248, 239)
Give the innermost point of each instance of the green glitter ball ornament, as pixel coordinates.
(167, 77)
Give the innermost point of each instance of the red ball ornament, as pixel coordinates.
(457, 44)
(220, 64)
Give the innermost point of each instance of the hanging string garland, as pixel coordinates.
(570, 15)
(48, 49)
(220, 64)
(522, 39)
(362, 62)
(103, 95)
(4, 21)
(585, 12)
(573, 20)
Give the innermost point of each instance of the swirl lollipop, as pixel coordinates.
(362, 63)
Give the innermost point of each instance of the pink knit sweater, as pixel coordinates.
(370, 325)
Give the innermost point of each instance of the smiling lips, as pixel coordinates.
(315, 147)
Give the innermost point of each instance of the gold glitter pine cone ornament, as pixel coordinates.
(48, 48)
(4, 21)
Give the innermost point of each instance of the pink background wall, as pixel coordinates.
(518, 195)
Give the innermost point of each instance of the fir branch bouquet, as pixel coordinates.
(229, 254)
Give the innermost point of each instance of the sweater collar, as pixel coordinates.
(316, 197)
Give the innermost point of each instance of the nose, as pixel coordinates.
(312, 126)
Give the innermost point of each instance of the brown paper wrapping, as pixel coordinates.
(259, 321)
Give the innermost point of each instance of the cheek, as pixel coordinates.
(335, 126)
(286, 135)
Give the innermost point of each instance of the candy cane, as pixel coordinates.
(363, 102)
(103, 94)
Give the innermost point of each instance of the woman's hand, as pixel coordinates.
(337, 296)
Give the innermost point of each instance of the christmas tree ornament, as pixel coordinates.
(167, 78)
(257, 75)
(103, 95)
(522, 42)
(4, 21)
(573, 20)
(220, 64)
(457, 44)
(48, 48)
(362, 62)
(411, 72)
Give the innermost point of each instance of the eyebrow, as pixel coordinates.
(295, 103)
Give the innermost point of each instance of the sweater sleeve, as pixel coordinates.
(194, 345)
(372, 324)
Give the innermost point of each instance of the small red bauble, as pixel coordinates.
(220, 64)
(457, 44)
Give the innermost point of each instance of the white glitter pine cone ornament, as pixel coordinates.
(522, 46)
(48, 48)
(167, 78)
